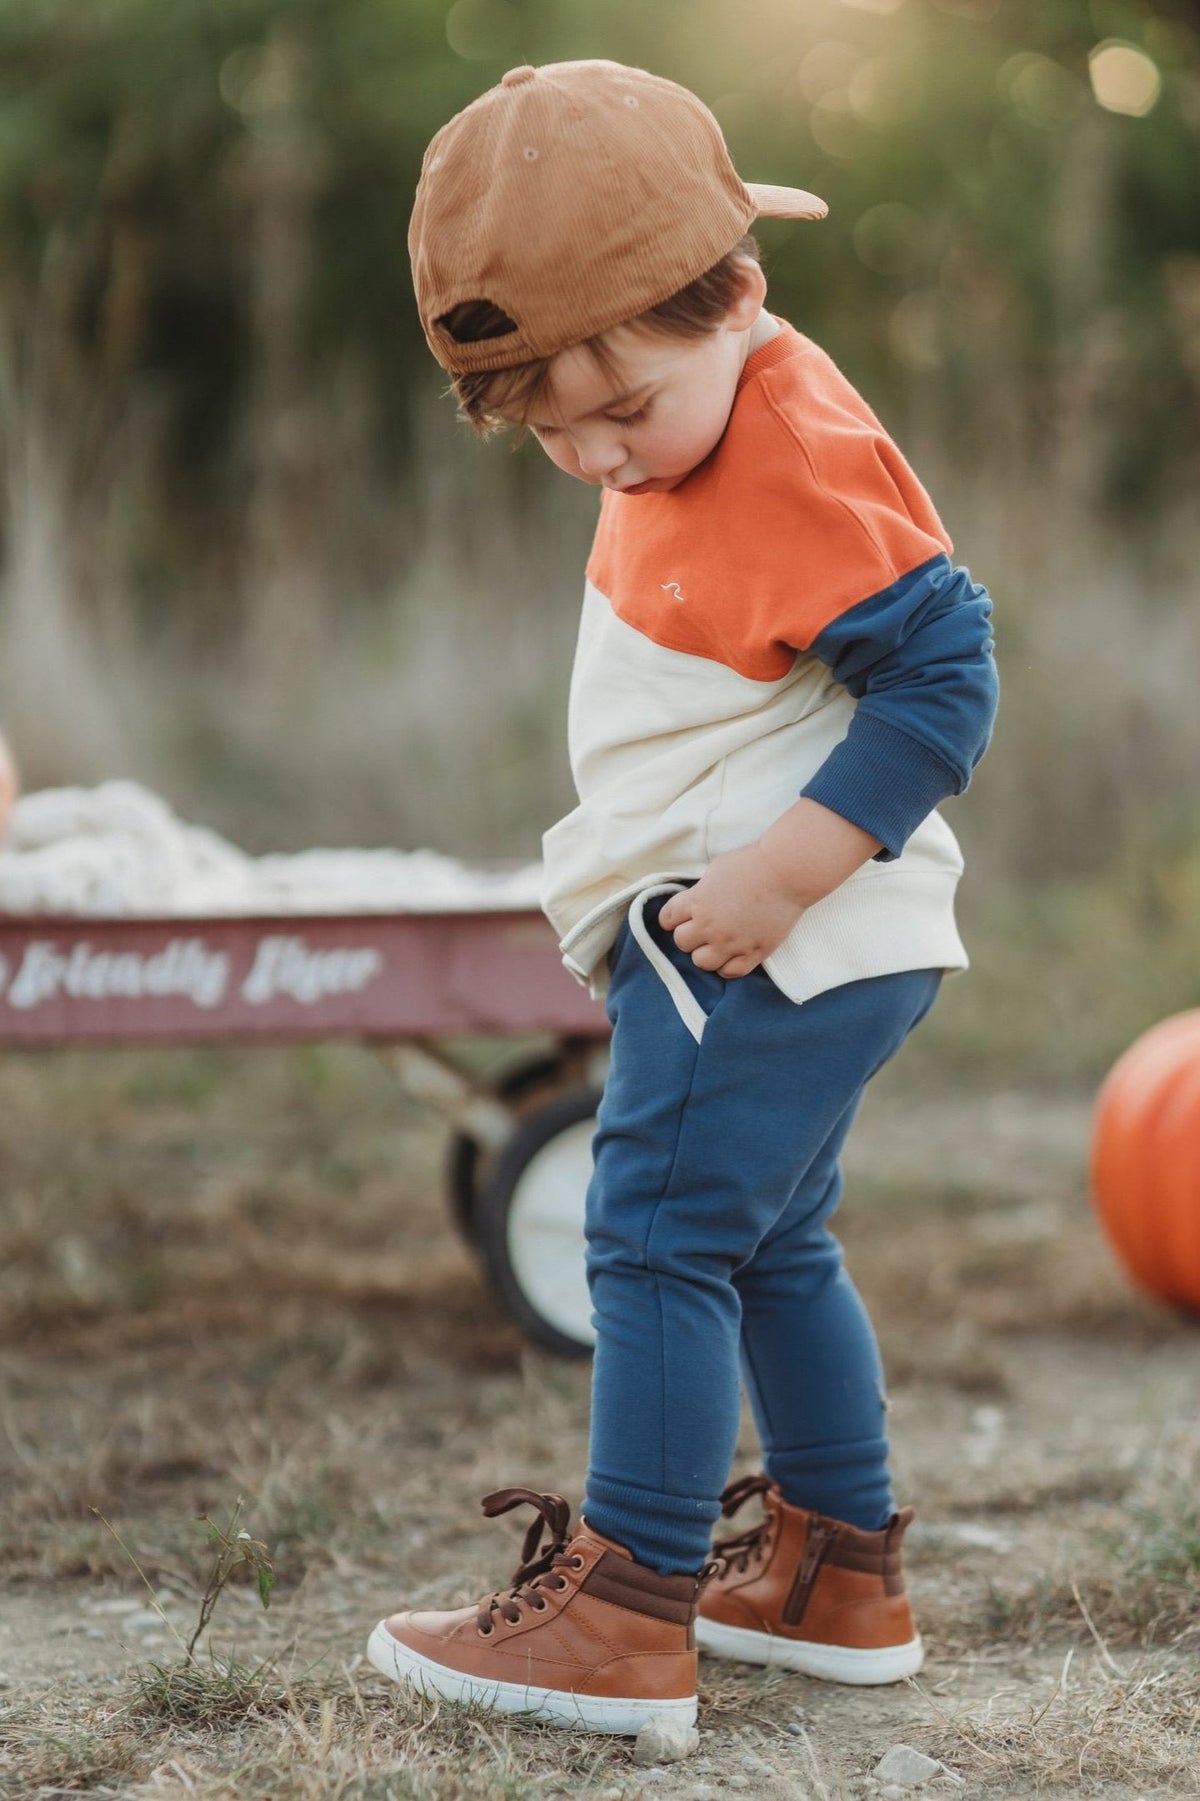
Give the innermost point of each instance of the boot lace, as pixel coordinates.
(541, 1566)
(737, 1550)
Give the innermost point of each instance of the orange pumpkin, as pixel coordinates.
(1145, 1163)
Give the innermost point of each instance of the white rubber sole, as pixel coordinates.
(557, 1707)
(832, 1663)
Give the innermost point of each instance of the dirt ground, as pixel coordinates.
(232, 1274)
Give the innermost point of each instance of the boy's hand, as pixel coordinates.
(736, 915)
(747, 901)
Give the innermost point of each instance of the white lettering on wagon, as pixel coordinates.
(286, 965)
(184, 966)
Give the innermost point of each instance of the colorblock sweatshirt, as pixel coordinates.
(786, 622)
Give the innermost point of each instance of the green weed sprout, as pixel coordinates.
(235, 1547)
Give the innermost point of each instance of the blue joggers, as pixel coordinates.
(716, 1169)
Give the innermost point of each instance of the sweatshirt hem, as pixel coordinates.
(890, 921)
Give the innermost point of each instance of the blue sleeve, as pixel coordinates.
(917, 658)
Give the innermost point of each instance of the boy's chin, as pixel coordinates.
(656, 484)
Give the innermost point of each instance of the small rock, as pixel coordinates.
(795, 1728)
(664, 1740)
(907, 1767)
(891, 1791)
(737, 1782)
(986, 1538)
(146, 1621)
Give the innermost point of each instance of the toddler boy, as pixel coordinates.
(779, 675)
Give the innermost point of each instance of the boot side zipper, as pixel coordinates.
(817, 1547)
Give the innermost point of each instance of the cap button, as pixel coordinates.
(516, 76)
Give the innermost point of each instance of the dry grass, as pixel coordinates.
(1131, 1723)
(308, 1741)
(231, 1274)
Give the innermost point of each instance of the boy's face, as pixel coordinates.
(647, 430)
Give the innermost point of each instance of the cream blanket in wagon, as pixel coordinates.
(118, 849)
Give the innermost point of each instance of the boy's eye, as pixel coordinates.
(553, 431)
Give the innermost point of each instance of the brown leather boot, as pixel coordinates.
(809, 1593)
(584, 1637)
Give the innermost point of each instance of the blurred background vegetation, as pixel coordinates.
(248, 556)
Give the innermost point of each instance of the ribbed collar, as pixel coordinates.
(780, 349)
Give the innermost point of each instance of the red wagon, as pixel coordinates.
(520, 1147)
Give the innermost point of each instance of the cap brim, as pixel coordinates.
(785, 203)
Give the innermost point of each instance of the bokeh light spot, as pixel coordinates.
(834, 128)
(883, 93)
(1041, 90)
(828, 65)
(886, 238)
(915, 329)
(264, 83)
(981, 10)
(478, 30)
(1124, 79)
(237, 74)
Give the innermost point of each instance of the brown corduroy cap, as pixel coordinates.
(574, 197)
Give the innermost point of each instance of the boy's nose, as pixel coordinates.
(600, 458)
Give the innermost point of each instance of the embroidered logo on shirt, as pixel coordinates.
(673, 589)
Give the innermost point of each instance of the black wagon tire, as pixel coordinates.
(469, 1164)
(529, 1218)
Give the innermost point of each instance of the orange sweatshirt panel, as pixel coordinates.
(805, 508)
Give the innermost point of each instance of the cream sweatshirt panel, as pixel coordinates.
(678, 758)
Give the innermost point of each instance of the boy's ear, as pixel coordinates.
(748, 305)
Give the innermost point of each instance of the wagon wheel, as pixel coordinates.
(529, 1221)
(470, 1164)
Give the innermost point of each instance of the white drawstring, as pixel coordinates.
(686, 1005)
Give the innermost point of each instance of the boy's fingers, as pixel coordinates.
(706, 958)
(737, 966)
(688, 939)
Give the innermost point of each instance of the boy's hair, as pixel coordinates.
(693, 312)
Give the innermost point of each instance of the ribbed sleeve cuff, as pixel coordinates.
(883, 781)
